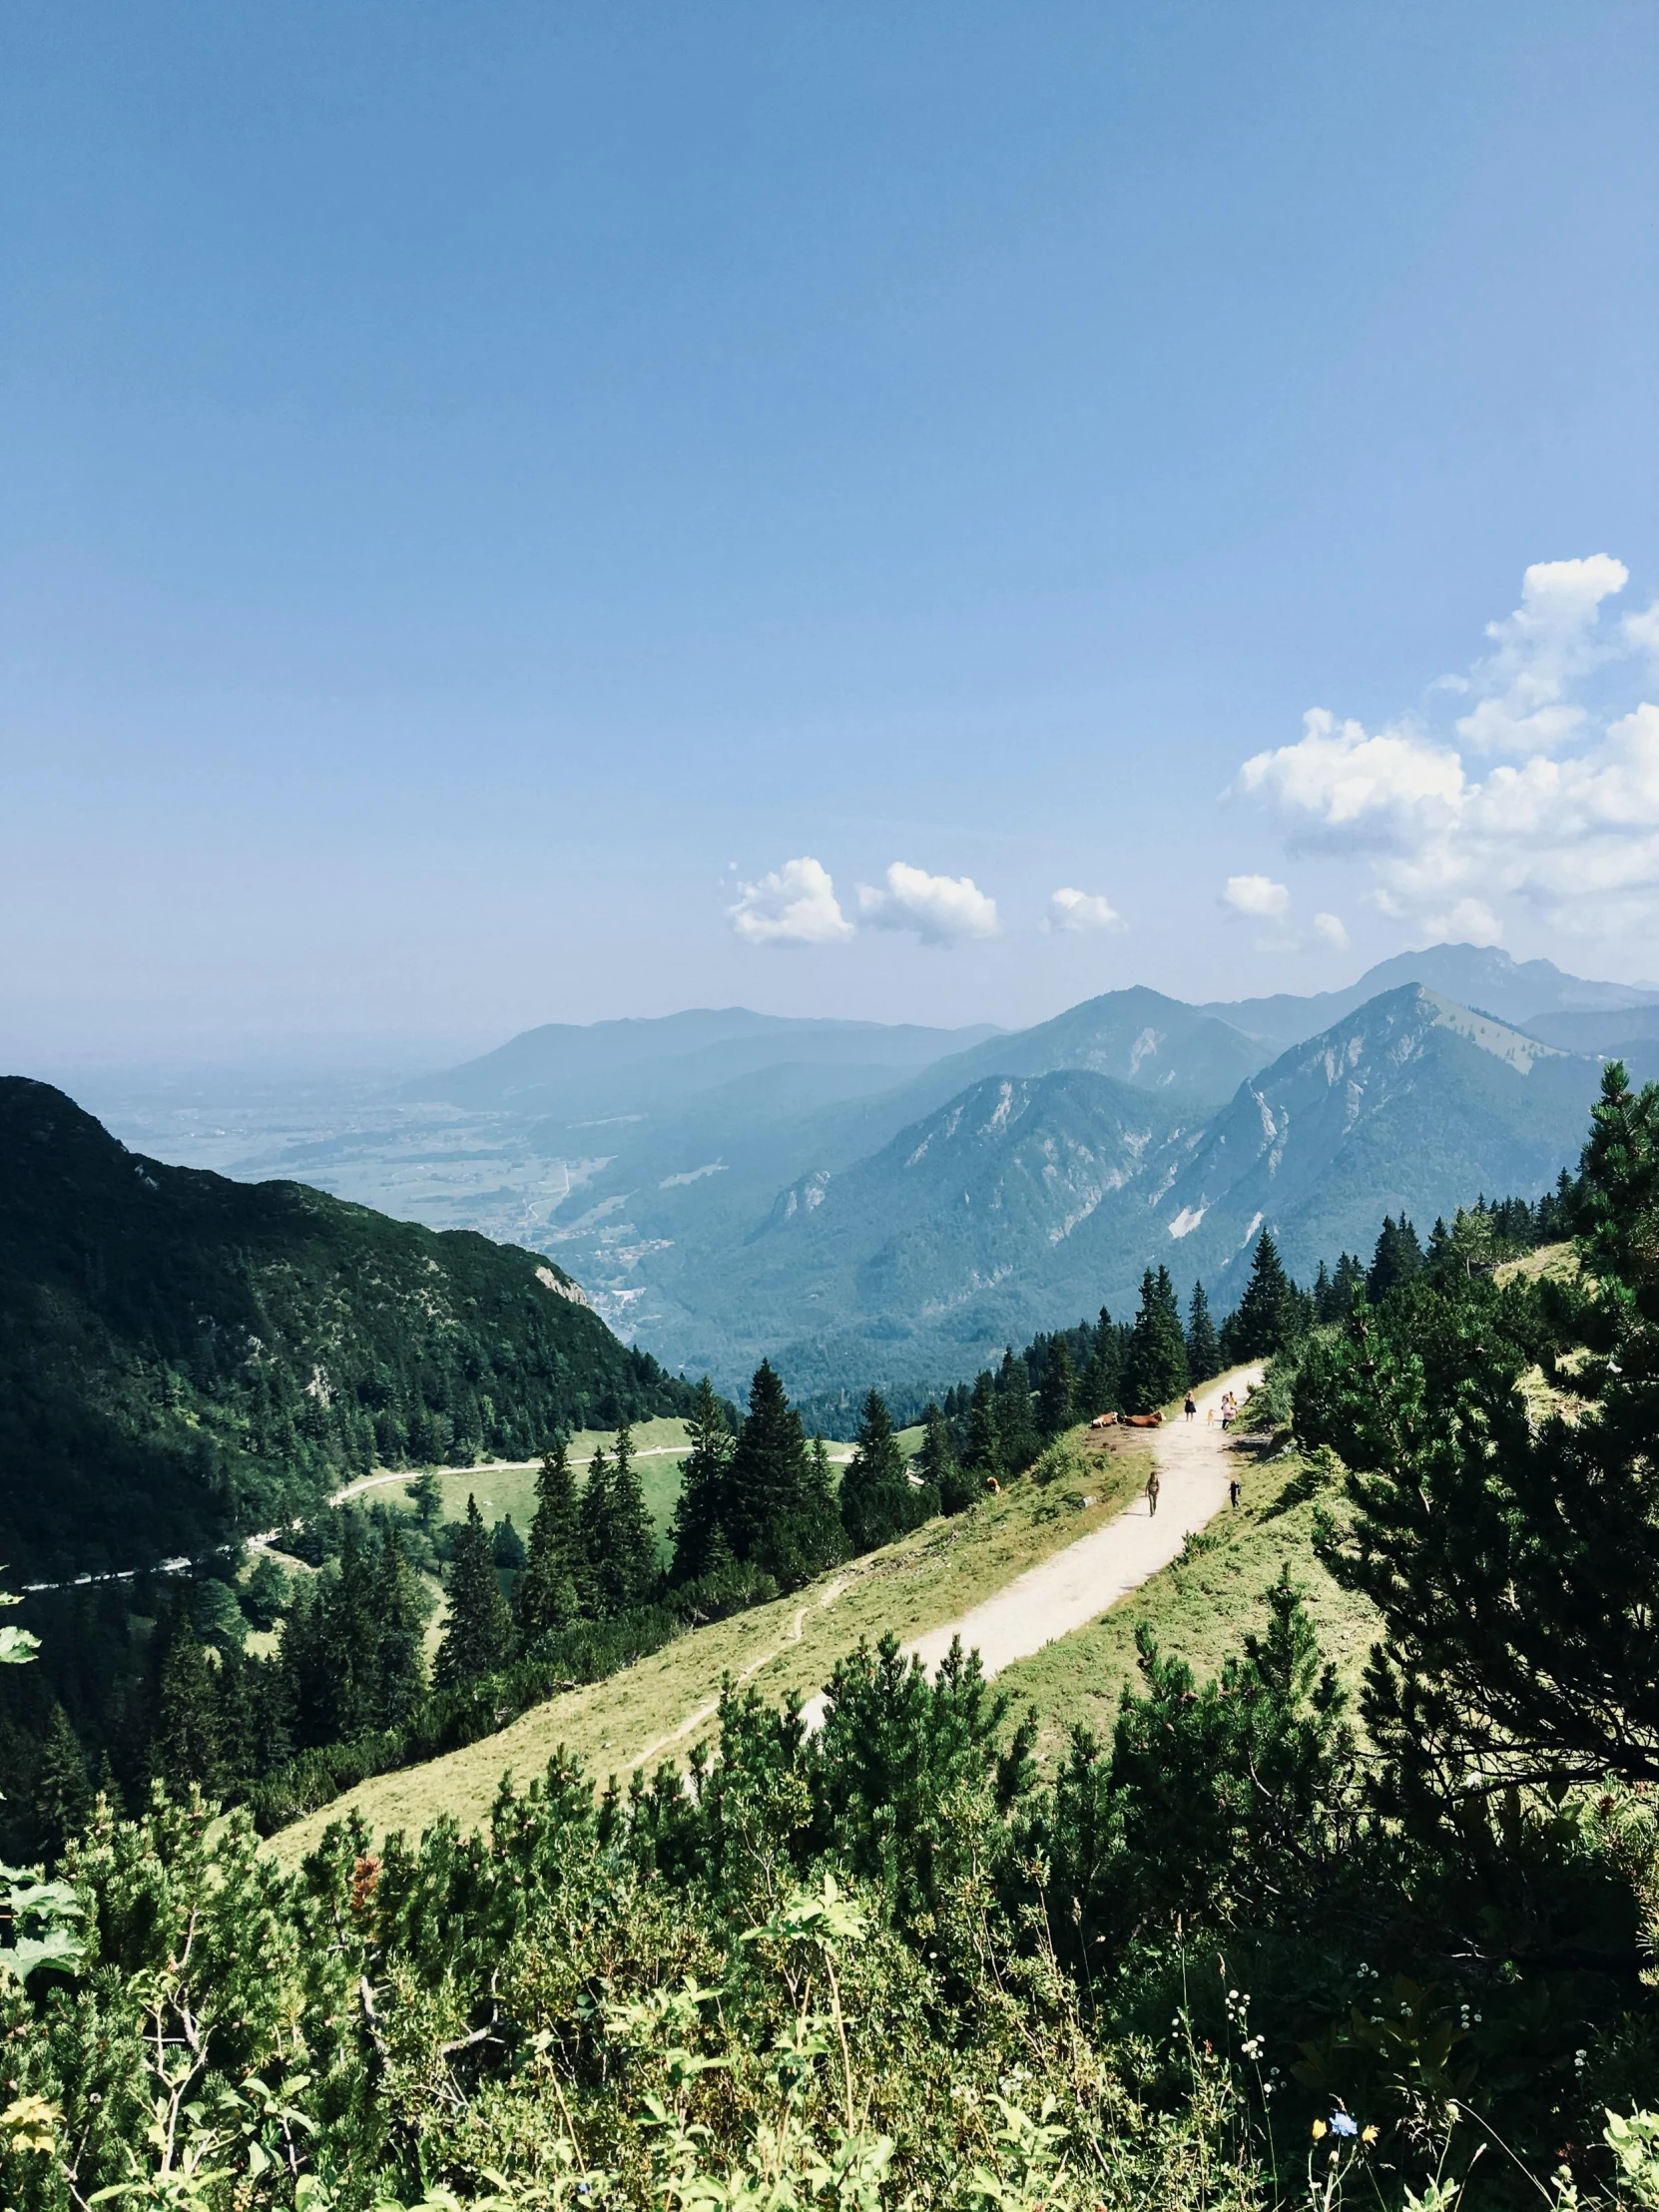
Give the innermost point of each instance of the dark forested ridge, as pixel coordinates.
(184, 1359)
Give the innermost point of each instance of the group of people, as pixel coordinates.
(1228, 1411)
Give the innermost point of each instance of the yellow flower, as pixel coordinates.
(1319, 2129)
(1368, 2134)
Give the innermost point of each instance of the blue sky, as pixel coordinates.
(483, 485)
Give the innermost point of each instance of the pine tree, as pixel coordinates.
(937, 1465)
(767, 1476)
(1268, 1316)
(629, 1570)
(1202, 1343)
(699, 1510)
(593, 1531)
(984, 1446)
(425, 1494)
(1515, 1564)
(1103, 1377)
(1349, 1277)
(478, 1635)
(1016, 1427)
(876, 1497)
(1397, 1258)
(401, 1670)
(546, 1597)
(186, 1747)
(1057, 1397)
(1155, 1370)
(62, 1794)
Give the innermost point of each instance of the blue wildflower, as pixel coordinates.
(1343, 2123)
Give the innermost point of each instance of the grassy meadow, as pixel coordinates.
(656, 1709)
(1202, 1606)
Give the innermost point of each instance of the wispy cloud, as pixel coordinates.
(1081, 912)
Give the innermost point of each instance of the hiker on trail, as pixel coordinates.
(1152, 1485)
(1229, 1407)
(1233, 1491)
(1192, 1406)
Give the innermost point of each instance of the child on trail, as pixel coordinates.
(1233, 1491)
(1192, 1406)
(1153, 1486)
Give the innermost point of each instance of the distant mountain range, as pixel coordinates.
(908, 1209)
(863, 1201)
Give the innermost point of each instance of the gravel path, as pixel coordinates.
(1079, 1584)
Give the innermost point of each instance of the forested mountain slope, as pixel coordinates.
(183, 1358)
(1028, 1201)
(1404, 1106)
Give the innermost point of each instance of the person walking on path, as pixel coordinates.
(1192, 1406)
(1153, 1486)
(1233, 1491)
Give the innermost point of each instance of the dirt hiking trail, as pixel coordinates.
(1195, 1464)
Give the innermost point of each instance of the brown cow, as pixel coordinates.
(1143, 1420)
(1104, 1420)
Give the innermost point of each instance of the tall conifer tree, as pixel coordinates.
(1202, 1343)
(700, 1511)
(1155, 1370)
(547, 1593)
(478, 1635)
(1269, 1315)
(186, 1748)
(1103, 1377)
(629, 1570)
(593, 1530)
(1057, 1397)
(876, 1497)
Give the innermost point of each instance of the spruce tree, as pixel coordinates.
(876, 1497)
(425, 1494)
(767, 1476)
(400, 1669)
(62, 1793)
(1155, 1369)
(478, 1635)
(1397, 1258)
(698, 1512)
(186, 1747)
(629, 1570)
(1202, 1343)
(1103, 1377)
(939, 1467)
(1057, 1397)
(1268, 1316)
(1349, 1277)
(546, 1597)
(593, 1531)
(983, 1454)
(1016, 1427)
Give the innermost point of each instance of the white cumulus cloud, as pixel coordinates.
(1541, 646)
(1333, 931)
(1080, 911)
(1258, 897)
(1569, 829)
(794, 905)
(941, 909)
